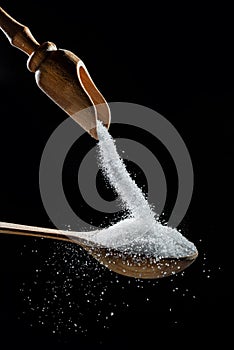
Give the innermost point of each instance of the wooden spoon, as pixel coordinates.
(61, 75)
(131, 265)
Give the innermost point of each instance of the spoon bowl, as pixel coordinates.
(123, 263)
(139, 265)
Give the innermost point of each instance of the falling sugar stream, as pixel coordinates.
(114, 169)
(141, 232)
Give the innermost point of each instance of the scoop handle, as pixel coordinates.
(18, 34)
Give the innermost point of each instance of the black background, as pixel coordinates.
(177, 60)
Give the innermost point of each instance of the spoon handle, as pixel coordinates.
(23, 230)
(18, 34)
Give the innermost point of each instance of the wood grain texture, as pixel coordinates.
(18, 34)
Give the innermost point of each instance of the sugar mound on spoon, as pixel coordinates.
(141, 232)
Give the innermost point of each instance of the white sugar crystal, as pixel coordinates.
(141, 232)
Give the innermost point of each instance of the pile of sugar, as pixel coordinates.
(141, 232)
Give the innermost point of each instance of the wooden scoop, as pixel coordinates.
(61, 75)
(124, 263)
